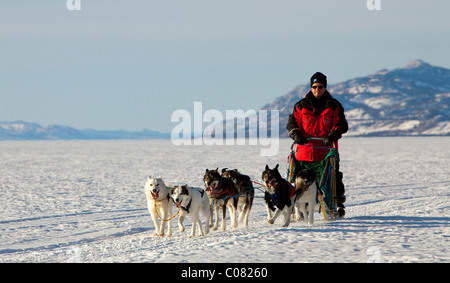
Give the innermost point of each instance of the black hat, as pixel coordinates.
(319, 78)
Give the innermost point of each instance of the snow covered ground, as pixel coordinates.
(83, 201)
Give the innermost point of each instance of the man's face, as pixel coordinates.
(318, 90)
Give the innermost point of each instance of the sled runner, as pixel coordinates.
(325, 171)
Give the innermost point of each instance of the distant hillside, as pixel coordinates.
(408, 101)
(20, 130)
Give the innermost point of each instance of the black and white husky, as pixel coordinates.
(190, 200)
(159, 204)
(221, 192)
(245, 191)
(306, 191)
(279, 195)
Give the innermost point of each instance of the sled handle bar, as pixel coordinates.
(321, 139)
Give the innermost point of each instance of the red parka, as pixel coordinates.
(317, 118)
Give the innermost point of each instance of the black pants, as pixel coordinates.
(340, 189)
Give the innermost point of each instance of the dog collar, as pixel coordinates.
(219, 185)
(216, 189)
(159, 200)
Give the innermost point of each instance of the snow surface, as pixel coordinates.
(83, 201)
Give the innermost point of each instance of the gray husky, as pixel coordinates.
(245, 191)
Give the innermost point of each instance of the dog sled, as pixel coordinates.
(325, 171)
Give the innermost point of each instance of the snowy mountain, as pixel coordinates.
(413, 100)
(408, 101)
(20, 130)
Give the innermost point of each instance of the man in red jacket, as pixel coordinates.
(318, 115)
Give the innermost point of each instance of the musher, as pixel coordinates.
(318, 115)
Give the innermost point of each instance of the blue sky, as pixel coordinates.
(130, 64)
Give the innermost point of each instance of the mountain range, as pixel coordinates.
(413, 100)
(21, 130)
(409, 101)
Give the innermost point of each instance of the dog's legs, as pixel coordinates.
(297, 211)
(242, 204)
(269, 213)
(164, 214)
(224, 217)
(169, 223)
(233, 210)
(305, 209)
(241, 208)
(194, 223)
(312, 205)
(216, 223)
(180, 221)
(275, 216)
(287, 211)
(199, 223)
(207, 216)
(246, 211)
(234, 221)
(151, 209)
(210, 221)
(307, 213)
(310, 211)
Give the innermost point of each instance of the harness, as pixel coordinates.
(226, 191)
(291, 193)
(160, 200)
(188, 206)
(291, 190)
(157, 213)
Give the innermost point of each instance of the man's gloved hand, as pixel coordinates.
(297, 136)
(328, 140)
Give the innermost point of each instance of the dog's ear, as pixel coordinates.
(267, 167)
(185, 190)
(206, 171)
(276, 167)
(149, 177)
(224, 170)
(235, 171)
(217, 169)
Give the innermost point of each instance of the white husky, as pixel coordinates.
(192, 200)
(306, 190)
(159, 204)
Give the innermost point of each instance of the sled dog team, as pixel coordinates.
(234, 191)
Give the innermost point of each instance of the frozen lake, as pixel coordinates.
(84, 201)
